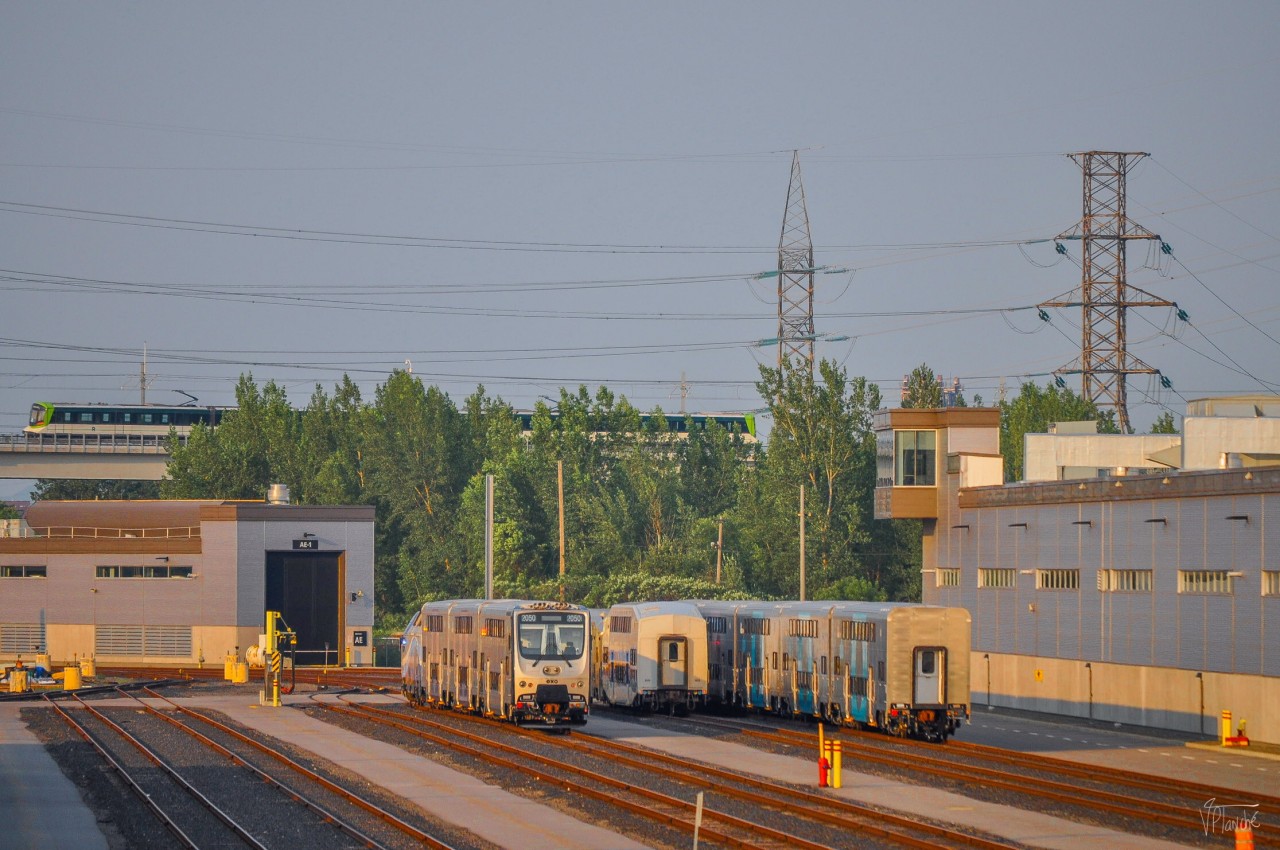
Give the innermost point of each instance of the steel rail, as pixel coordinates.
(1060, 792)
(226, 819)
(327, 816)
(124, 774)
(671, 811)
(351, 797)
(839, 810)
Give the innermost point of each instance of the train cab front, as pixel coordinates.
(552, 678)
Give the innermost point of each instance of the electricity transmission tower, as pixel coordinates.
(795, 278)
(1104, 232)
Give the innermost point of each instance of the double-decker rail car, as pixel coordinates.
(519, 660)
(118, 419)
(899, 667)
(654, 657)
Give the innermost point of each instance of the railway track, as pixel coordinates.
(303, 799)
(1168, 802)
(810, 818)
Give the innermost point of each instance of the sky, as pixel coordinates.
(535, 196)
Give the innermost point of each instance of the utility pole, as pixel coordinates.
(795, 278)
(560, 500)
(142, 376)
(488, 537)
(802, 543)
(719, 548)
(1104, 232)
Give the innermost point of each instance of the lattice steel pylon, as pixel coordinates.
(1104, 231)
(795, 278)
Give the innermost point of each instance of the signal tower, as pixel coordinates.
(1104, 231)
(795, 278)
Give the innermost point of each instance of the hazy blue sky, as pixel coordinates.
(536, 195)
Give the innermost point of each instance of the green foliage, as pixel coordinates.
(642, 508)
(1033, 410)
(1165, 424)
(58, 489)
(923, 389)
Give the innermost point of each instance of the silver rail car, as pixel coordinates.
(899, 667)
(523, 661)
(654, 657)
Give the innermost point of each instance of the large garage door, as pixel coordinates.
(303, 587)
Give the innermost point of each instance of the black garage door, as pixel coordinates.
(303, 587)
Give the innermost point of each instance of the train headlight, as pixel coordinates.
(524, 684)
(577, 684)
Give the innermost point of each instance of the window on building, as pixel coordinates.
(915, 458)
(997, 577)
(26, 571)
(948, 578)
(1205, 581)
(162, 571)
(1271, 582)
(1124, 581)
(1057, 579)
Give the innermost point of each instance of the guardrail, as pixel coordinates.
(88, 443)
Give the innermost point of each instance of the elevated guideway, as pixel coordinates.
(132, 457)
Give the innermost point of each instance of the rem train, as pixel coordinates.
(653, 657)
(901, 668)
(523, 661)
(118, 419)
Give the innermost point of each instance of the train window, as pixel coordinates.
(775, 661)
(717, 625)
(836, 665)
(754, 626)
(715, 672)
(880, 670)
(786, 661)
(86, 417)
(673, 651)
(803, 628)
(435, 622)
(620, 625)
(435, 671)
(823, 667)
(462, 625)
(494, 627)
(146, 418)
(106, 417)
(126, 418)
(857, 630)
(928, 661)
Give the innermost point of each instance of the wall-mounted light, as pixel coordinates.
(1239, 518)
(1017, 525)
(1159, 519)
(1088, 666)
(1031, 607)
(356, 594)
(1164, 480)
(164, 558)
(1026, 572)
(1119, 483)
(1087, 522)
(1248, 476)
(964, 526)
(307, 534)
(1082, 486)
(1234, 574)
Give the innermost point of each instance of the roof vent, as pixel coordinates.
(278, 494)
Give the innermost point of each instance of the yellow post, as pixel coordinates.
(229, 666)
(71, 679)
(836, 750)
(822, 745)
(273, 658)
(1226, 727)
(17, 681)
(88, 668)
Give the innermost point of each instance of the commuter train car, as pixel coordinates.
(523, 661)
(118, 419)
(899, 667)
(654, 657)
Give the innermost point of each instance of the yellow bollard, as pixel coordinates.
(836, 750)
(43, 660)
(88, 668)
(822, 743)
(1226, 727)
(71, 678)
(229, 666)
(240, 675)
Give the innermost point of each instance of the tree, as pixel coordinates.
(923, 389)
(57, 489)
(1033, 410)
(1165, 424)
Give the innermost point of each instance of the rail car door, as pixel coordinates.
(930, 675)
(673, 662)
